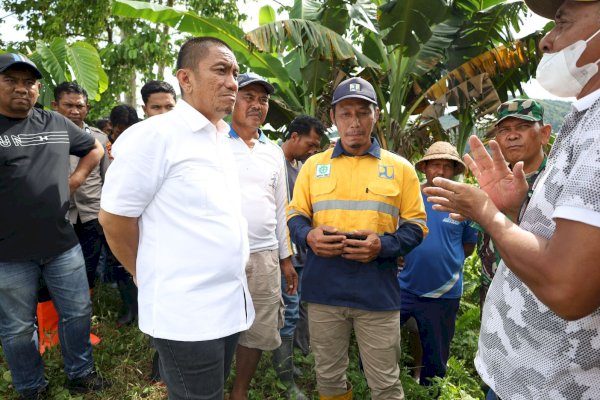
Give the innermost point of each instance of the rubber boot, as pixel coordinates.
(283, 362)
(128, 292)
(344, 396)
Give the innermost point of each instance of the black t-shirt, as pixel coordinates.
(34, 188)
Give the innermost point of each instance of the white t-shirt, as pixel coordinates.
(176, 172)
(263, 184)
(525, 350)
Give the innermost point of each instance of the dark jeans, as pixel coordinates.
(19, 282)
(91, 238)
(292, 305)
(196, 370)
(301, 335)
(435, 319)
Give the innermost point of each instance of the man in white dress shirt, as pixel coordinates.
(172, 215)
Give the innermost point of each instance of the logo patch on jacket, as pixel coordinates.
(323, 170)
(386, 171)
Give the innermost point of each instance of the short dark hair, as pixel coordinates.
(68, 88)
(101, 123)
(124, 115)
(152, 87)
(303, 124)
(195, 49)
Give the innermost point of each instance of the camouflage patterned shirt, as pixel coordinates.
(525, 350)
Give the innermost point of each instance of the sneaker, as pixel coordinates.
(92, 382)
(34, 394)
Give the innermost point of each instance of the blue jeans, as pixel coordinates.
(196, 370)
(436, 320)
(292, 305)
(491, 395)
(66, 279)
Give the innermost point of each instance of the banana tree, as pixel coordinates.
(189, 22)
(473, 100)
(59, 61)
(300, 56)
(477, 87)
(420, 41)
(313, 54)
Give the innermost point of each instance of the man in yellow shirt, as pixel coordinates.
(357, 208)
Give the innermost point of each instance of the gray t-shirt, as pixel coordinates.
(525, 350)
(298, 252)
(85, 202)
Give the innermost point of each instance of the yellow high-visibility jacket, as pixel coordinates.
(378, 191)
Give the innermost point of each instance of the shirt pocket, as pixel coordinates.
(324, 202)
(382, 197)
(203, 186)
(383, 190)
(323, 188)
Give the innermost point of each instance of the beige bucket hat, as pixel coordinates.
(442, 151)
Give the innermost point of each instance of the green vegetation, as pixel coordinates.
(426, 58)
(124, 356)
(132, 50)
(554, 112)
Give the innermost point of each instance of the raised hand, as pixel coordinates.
(461, 200)
(506, 188)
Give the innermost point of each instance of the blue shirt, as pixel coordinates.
(434, 268)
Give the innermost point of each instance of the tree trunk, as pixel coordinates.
(165, 33)
(130, 96)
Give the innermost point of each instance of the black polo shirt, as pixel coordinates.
(34, 188)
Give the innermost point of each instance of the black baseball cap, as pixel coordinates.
(354, 88)
(250, 77)
(8, 60)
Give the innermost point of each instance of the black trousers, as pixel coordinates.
(196, 370)
(91, 239)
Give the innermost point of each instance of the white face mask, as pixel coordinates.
(559, 74)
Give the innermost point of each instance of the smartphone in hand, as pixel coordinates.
(355, 237)
(347, 234)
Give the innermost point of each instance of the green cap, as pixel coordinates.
(529, 110)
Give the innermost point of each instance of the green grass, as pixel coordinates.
(124, 357)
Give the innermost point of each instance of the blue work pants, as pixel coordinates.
(436, 318)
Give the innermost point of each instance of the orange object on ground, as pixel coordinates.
(48, 326)
(94, 339)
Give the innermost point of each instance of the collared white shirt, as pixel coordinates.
(176, 172)
(586, 102)
(263, 184)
